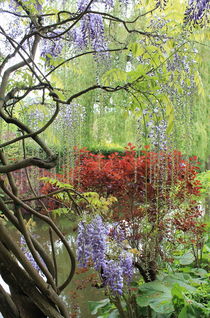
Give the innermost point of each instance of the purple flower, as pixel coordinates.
(91, 243)
(117, 273)
(196, 11)
(28, 254)
(126, 263)
(83, 245)
(52, 46)
(78, 38)
(117, 233)
(82, 4)
(125, 2)
(91, 30)
(113, 276)
(98, 233)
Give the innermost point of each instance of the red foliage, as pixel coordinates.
(160, 185)
(157, 180)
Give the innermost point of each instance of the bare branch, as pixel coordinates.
(46, 164)
(50, 121)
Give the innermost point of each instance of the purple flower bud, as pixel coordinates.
(126, 264)
(28, 254)
(117, 233)
(196, 11)
(83, 245)
(91, 243)
(113, 276)
(98, 234)
(52, 46)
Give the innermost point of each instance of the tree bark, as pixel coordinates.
(7, 306)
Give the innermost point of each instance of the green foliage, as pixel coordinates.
(156, 295)
(60, 211)
(204, 178)
(99, 205)
(104, 308)
(174, 295)
(114, 76)
(57, 183)
(185, 259)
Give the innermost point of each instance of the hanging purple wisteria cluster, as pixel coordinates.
(197, 11)
(52, 47)
(94, 243)
(91, 30)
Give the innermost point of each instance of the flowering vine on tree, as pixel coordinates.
(97, 246)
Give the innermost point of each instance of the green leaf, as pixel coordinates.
(113, 76)
(170, 125)
(60, 211)
(136, 49)
(114, 314)
(162, 307)
(57, 81)
(199, 84)
(96, 305)
(176, 291)
(60, 94)
(186, 259)
(156, 295)
(183, 313)
(183, 280)
(200, 272)
(143, 300)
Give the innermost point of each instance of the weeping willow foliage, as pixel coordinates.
(200, 127)
(100, 120)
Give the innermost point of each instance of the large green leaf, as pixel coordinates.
(95, 306)
(114, 314)
(181, 279)
(183, 313)
(156, 295)
(186, 259)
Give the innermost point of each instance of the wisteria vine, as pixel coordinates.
(94, 247)
(197, 11)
